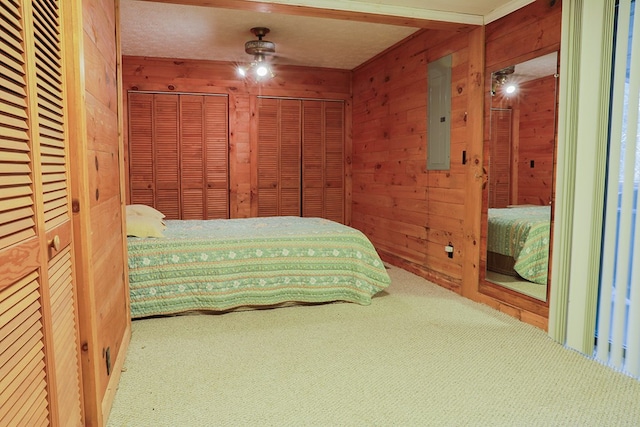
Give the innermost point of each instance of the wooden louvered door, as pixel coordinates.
(53, 149)
(39, 355)
(268, 158)
(279, 150)
(216, 155)
(141, 170)
(192, 157)
(178, 154)
(204, 157)
(323, 160)
(166, 151)
(334, 161)
(300, 158)
(154, 162)
(500, 170)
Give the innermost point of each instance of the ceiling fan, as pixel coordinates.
(260, 48)
(500, 78)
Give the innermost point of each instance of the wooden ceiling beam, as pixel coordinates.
(317, 12)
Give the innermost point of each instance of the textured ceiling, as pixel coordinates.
(168, 30)
(535, 68)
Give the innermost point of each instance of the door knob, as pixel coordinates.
(55, 242)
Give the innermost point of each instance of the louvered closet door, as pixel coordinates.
(500, 159)
(334, 161)
(279, 167)
(204, 157)
(141, 180)
(179, 155)
(313, 159)
(23, 386)
(166, 122)
(323, 159)
(39, 365)
(216, 139)
(192, 156)
(57, 212)
(290, 167)
(268, 153)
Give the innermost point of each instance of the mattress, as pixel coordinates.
(224, 264)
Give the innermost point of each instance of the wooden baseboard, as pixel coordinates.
(114, 379)
(421, 271)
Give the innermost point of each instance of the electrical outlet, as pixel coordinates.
(449, 250)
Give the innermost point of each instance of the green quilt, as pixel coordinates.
(224, 264)
(522, 233)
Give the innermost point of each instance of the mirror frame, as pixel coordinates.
(485, 287)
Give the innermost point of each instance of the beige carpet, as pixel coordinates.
(418, 356)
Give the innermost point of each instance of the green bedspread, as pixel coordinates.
(224, 264)
(522, 233)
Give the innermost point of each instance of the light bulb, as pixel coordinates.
(262, 71)
(242, 71)
(510, 89)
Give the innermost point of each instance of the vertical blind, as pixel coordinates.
(618, 325)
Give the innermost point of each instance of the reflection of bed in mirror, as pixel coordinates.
(518, 242)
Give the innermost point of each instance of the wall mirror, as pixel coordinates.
(521, 155)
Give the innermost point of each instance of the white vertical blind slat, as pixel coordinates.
(632, 318)
(618, 330)
(616, 358)
(607, 274)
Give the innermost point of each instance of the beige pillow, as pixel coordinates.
(144, 210)
(142, 226)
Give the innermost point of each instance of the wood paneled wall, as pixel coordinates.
(193, 76)
(408, 212)
(97, 200)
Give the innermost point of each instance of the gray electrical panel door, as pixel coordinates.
(439, 114)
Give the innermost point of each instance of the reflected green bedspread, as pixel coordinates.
(522, 233)
(224, 264)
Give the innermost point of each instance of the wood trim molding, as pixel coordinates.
(474, 173)
(356, 13)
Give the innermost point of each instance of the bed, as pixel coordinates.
(219, 265)
(518, 242)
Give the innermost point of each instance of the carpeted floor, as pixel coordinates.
(419, 355)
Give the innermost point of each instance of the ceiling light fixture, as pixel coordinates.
(500, 78)
(259, 68)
